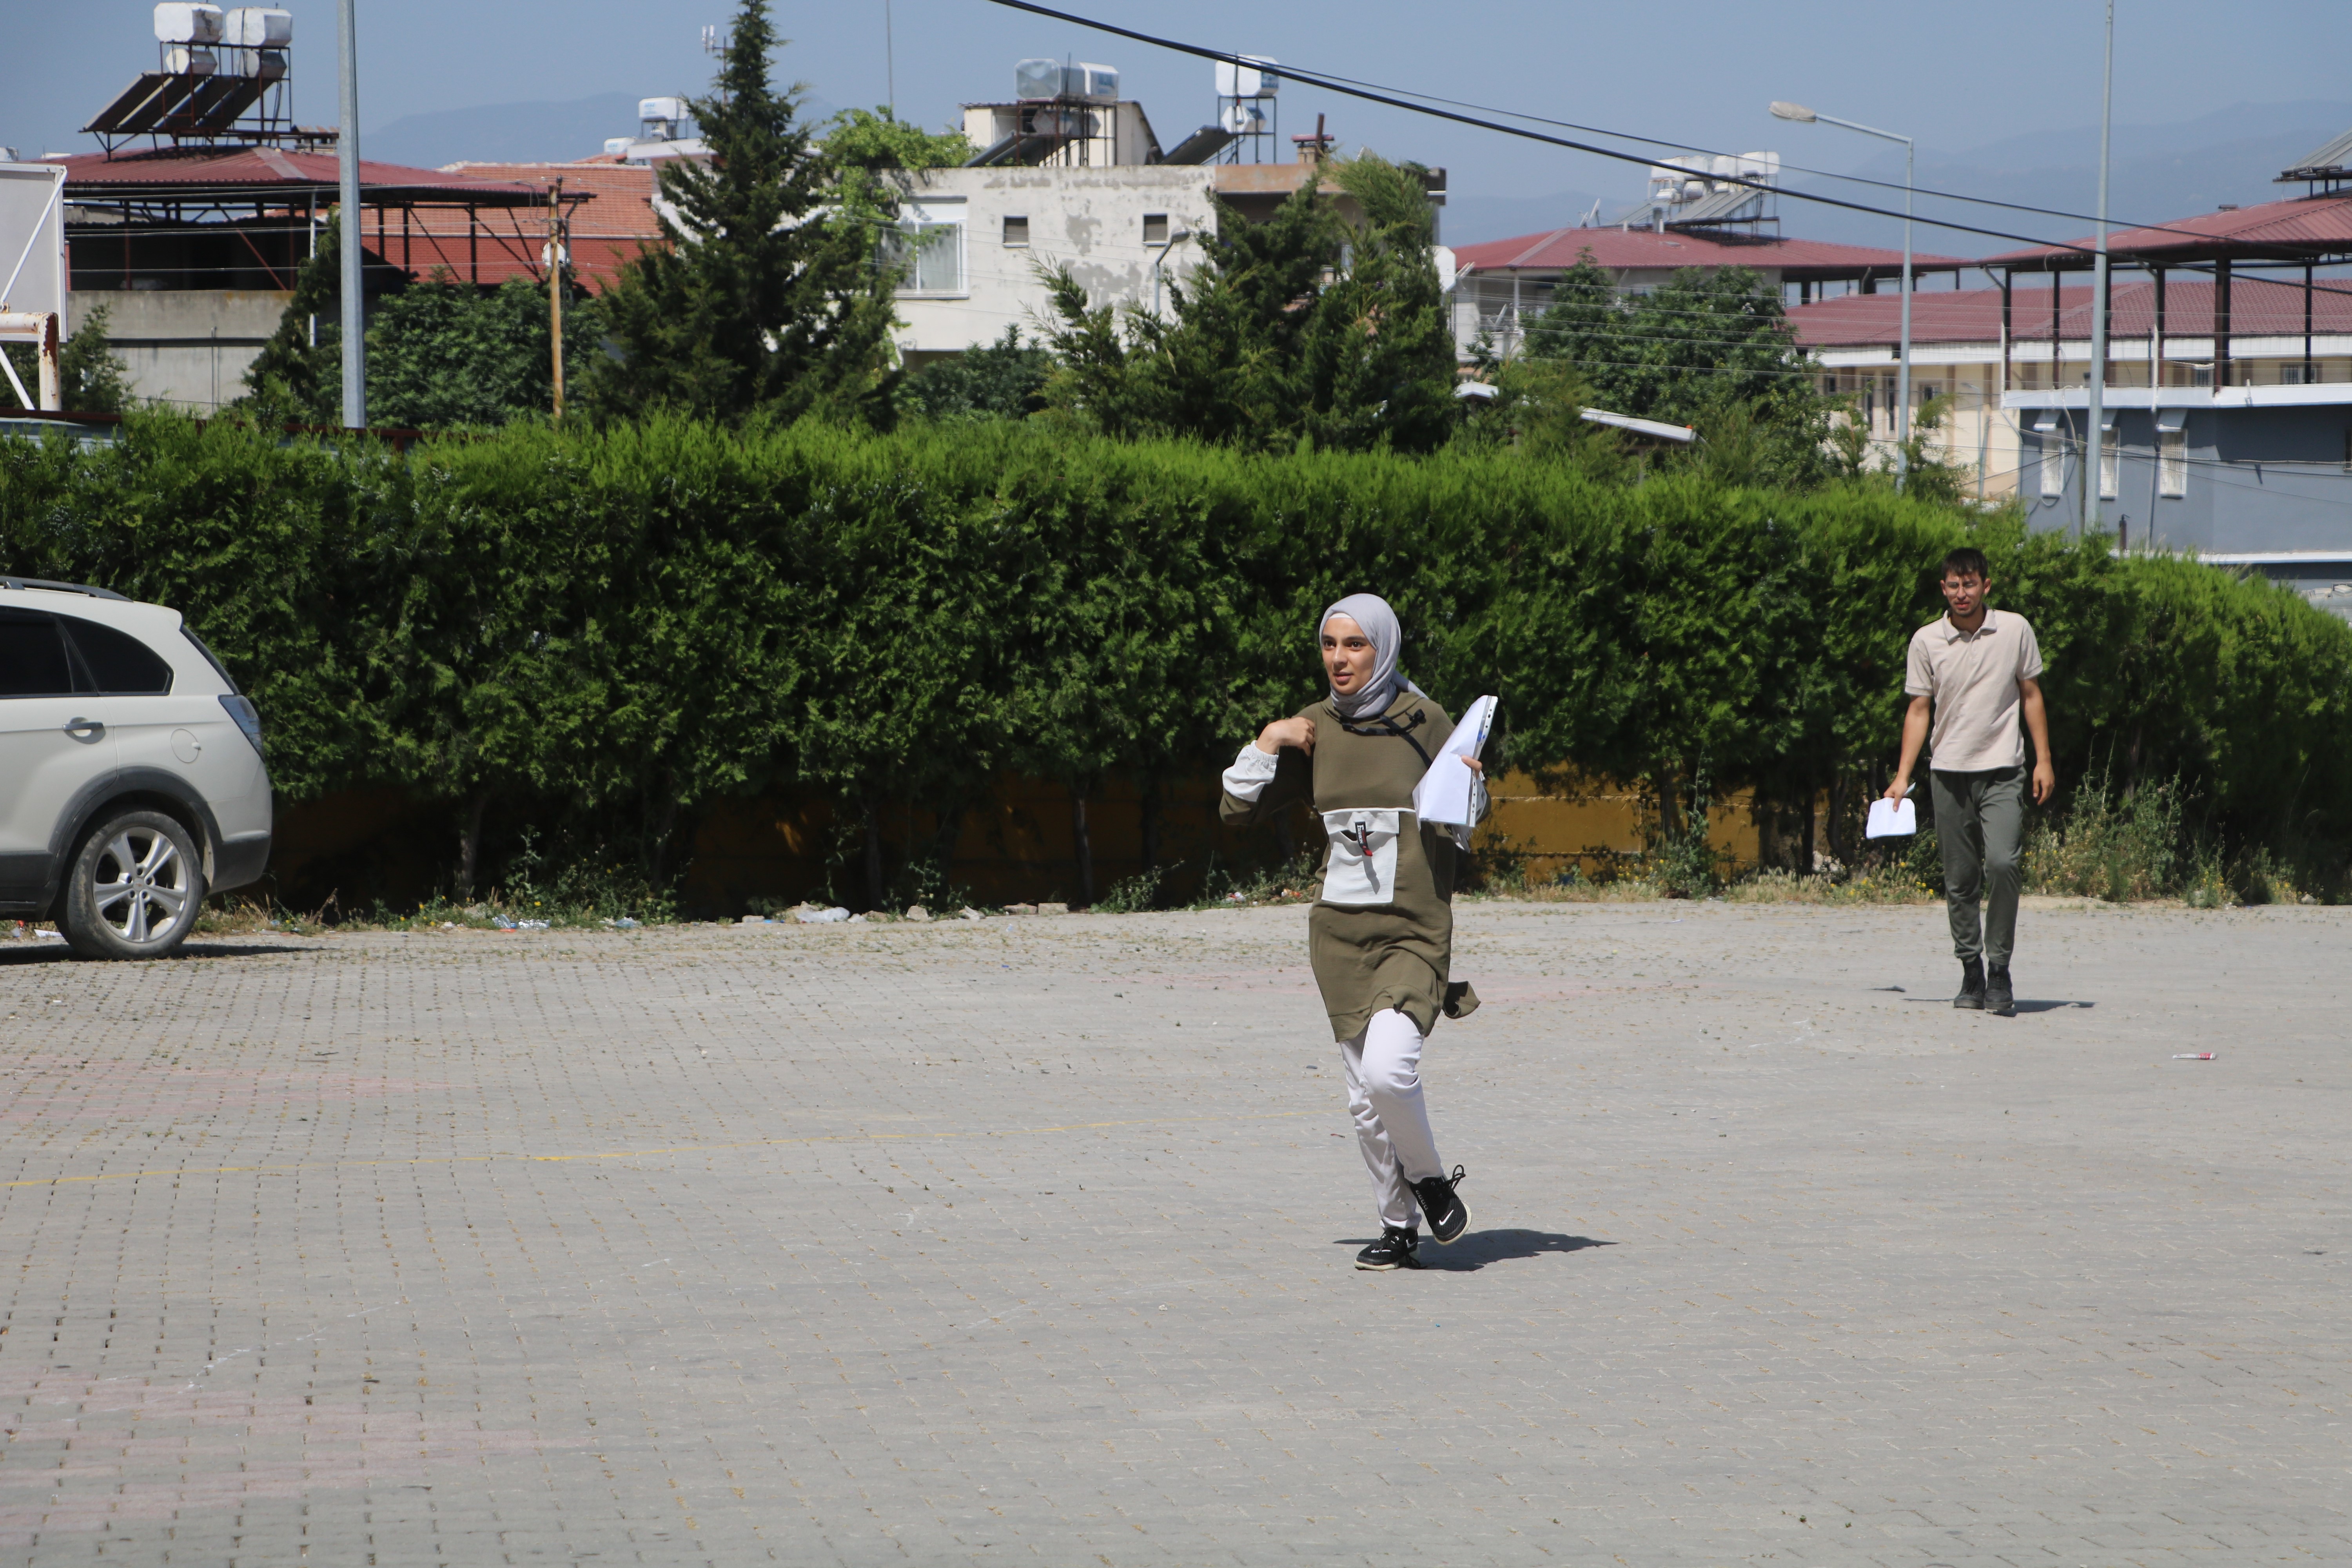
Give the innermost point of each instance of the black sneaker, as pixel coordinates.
(1448, 1214)
(2001, 996)
(1394, 1250)
(1972, 984)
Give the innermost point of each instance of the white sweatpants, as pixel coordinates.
(1383, 1068)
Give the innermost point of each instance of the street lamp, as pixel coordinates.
(1804, 116)
(1176, 237)
(347, 158)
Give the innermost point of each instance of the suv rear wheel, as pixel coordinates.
(135, 889)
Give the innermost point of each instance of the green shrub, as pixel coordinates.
(614, 628)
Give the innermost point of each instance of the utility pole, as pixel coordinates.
(558, 235)
(347, 157)
(2095, 466)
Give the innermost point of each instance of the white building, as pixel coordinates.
(1068, 174)
(980, 236)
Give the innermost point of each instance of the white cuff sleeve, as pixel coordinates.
(1251, 772)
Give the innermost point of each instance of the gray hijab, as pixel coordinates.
(1372, 611)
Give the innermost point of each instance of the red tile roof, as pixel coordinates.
(2295, 227)
(607, 231)
(2258, 307)
(185, 170)
(1796, 259)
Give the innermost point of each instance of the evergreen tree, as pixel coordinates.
(759, 301)
(1303, 327)
(996, 380)
(1711, 348)
(91, 377)
(298, 375)
(442, 353)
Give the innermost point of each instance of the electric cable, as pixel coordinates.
(1349, 89)
(1786, 167)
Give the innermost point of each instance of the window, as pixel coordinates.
(2111, 463)
(1155, 228)
(32, 655)
(2054, 465)
(116, 662)
(929, 254)
(2172, 461)
(1016, 231)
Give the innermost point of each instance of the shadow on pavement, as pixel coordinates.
(26, 954)
(2023, 1006)
(1480, 1248)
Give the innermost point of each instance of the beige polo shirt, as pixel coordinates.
(1973, 676)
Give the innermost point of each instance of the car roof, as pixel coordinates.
(45, 585)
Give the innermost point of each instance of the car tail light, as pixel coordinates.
(247, 717)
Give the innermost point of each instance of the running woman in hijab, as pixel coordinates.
(1381, 936)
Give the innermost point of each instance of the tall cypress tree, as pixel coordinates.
(761, 302)
(1308, 325)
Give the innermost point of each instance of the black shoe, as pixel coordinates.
(1972, 984)
(2001, 997)
(1448, 1214)
(1394, 1250)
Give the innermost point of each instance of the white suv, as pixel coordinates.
(130, 774)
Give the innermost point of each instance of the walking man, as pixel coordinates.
(1975, 671)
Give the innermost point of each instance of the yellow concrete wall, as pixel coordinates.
(1018, 844)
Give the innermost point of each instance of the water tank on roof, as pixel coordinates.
(659, 117)
(1097, 84)
(189, 59)
(1243, 118)
(182, 24)
(261, 65)
(616, 146)
(258, 27)
(1036, 79)
(1252, 77)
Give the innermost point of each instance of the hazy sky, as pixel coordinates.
(1955, 75)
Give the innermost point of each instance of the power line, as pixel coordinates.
(1329, 84)
(1349, 89)
(1785, 168)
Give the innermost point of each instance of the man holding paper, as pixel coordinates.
(1975, 672)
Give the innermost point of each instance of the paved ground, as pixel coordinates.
(1030, 1242)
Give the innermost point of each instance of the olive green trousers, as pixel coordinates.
(1980, 824)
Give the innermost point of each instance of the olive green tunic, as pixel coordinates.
(1397, 953)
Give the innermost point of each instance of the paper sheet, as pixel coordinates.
(1447, 792)
(1891, 818)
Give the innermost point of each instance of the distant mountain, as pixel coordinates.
(1472, 220)
(2159, 173)
(517, 132)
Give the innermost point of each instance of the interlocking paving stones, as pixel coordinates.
(1031, 1241)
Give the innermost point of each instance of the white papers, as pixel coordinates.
(1447, 792)
(1891, 818)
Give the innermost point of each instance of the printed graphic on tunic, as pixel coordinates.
(1362, 869)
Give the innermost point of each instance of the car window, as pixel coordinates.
(117, 663)
(33, 656)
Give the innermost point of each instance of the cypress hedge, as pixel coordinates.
(641, 619)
